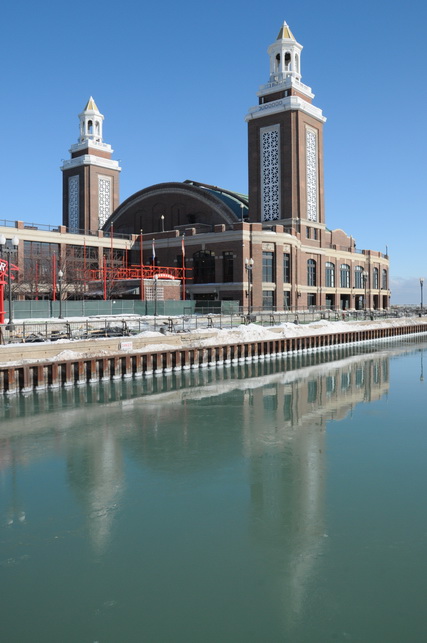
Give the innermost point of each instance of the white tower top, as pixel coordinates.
(285, 57)
(91, 123)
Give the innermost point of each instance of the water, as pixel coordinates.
(276, 502)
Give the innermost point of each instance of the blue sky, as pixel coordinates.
(175, 80)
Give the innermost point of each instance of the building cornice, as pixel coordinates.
(90, 159)
(286, 104)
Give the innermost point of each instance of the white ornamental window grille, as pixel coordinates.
(73, 203)
(104, 199)
(311, 154)
(270, 173)
(154, 293)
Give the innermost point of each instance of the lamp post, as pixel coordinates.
(421, 288)
(365, 281)
(156, 279)
(249, 264)
(60, 276)
(8, 251)
(162, 219)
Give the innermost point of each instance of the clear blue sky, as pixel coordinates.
(175, 80)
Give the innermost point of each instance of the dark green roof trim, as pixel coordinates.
(237, 202)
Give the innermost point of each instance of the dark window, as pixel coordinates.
(267, 266)
(228, 266)
(345, 275)
(311, 272)
(204, 267)
(330, 275)
(287, 276)
(375, 278)
(384, 280)
(287, 299)
(358, 277)
(311, 299)
(268, 299)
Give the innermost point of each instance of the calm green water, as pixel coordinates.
(277, 502)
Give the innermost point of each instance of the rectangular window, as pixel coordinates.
(268, 266)
(308, 232)
(311, 299)
(287, 268)
(268, 299)
(228, 266)
(286, 299)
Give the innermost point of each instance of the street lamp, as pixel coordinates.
(156, 279)
(60, 276)
(365, 282)
(162, 218)
(9, 250)
(421, 287)
(249, 264)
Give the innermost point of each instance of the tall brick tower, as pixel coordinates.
(285, 143)
(90, 178)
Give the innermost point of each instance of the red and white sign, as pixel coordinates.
(3, 265)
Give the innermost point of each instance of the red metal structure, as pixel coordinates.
(137, 273)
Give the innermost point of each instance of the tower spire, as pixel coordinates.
(91, 123)
(285, 56)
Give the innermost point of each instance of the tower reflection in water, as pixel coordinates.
(273, 419)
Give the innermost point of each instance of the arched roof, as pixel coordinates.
(180, 205)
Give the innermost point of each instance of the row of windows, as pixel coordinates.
(204, 271)
(361, 278)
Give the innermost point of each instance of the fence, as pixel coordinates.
(43, 309)
(31, 331)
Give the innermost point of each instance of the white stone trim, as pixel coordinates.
(105, 194)
(90, 159)
(270, 172)
(289, 103)
(73, 203)
(312, 166)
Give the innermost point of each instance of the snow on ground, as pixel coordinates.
(214, 336)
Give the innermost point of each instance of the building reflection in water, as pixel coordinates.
(285, 408)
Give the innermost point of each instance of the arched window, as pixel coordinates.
(375, 278)
(277, 63)
(311, 272)
(330, 275)
(204, 267)
(358, 277)
(287, 61)
(89, 127)
(345, 275)
(384, 279)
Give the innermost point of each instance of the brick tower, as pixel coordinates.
(90, 178)
(285, 144)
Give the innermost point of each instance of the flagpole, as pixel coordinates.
(141, 286)
(183, 267)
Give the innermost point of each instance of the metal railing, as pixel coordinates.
(54, 330)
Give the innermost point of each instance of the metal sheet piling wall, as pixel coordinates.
(80, 371)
